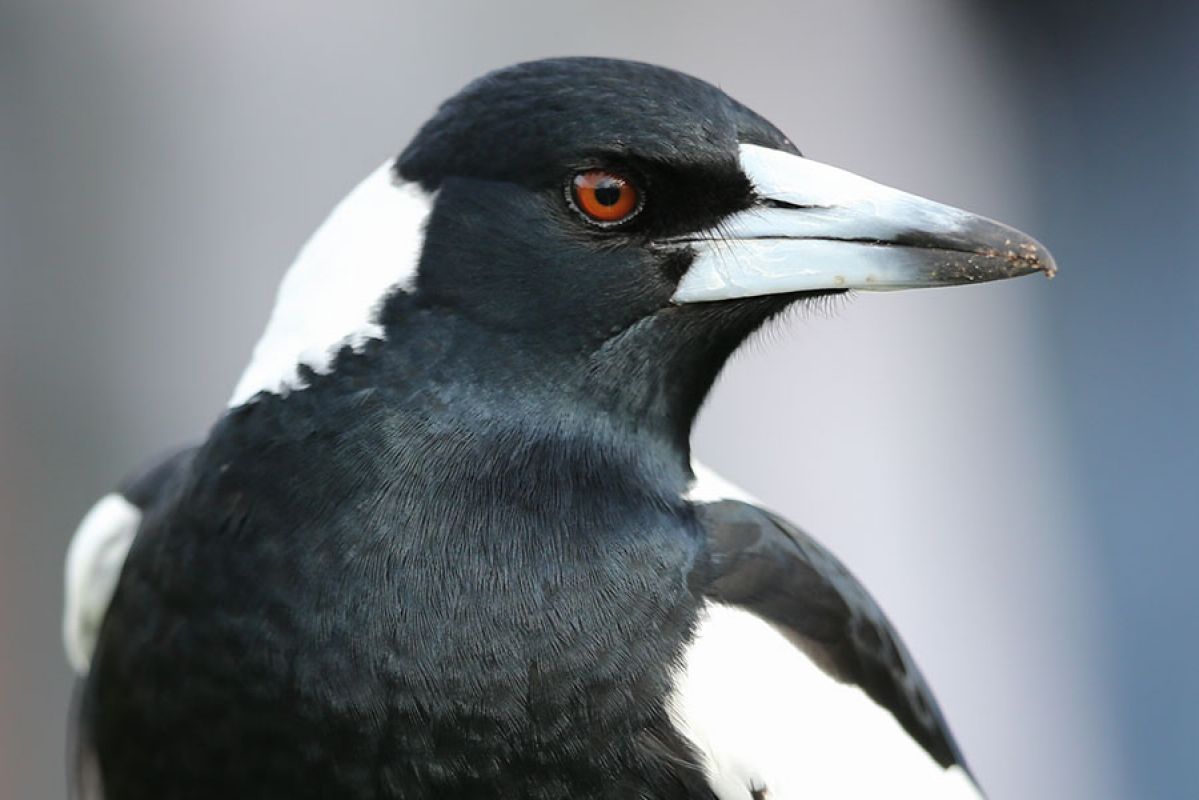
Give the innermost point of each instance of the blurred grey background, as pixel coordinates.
(1011, 468)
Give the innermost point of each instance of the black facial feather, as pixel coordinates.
(534, 125)
(529, 122)
(505, 250)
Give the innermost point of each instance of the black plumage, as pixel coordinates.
(461, 561)
(433, 588)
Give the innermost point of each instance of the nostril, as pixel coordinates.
(771, 202)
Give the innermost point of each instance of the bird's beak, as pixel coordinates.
(816, 227)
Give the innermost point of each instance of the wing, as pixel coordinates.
(94, 562)
(765, 565)
(99, 546)
(796, 682)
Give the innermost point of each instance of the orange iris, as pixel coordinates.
(604, 197)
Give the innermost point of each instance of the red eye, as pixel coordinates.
(604, 197)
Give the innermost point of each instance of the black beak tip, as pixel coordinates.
(1011, 252)
(1026, 255)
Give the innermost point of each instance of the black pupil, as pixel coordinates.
(607, 192)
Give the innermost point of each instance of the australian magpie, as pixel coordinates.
(447, 540)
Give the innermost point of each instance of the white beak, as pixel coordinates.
(816, 227)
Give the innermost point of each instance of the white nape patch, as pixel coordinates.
(94, 561)
(369, 246)
(763, 716)
(825, 242)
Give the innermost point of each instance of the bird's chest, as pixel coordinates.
(534, 634)
(434, 647)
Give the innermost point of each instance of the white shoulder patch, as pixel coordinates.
(763, 717)
(708, 487)
(369, 246)
(94, 562)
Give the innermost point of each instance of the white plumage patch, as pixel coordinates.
(94, 563)
(368, 247)
(708, 487)
(764, 717)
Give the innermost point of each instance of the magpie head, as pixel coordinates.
(626, 223)
(567, 188)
